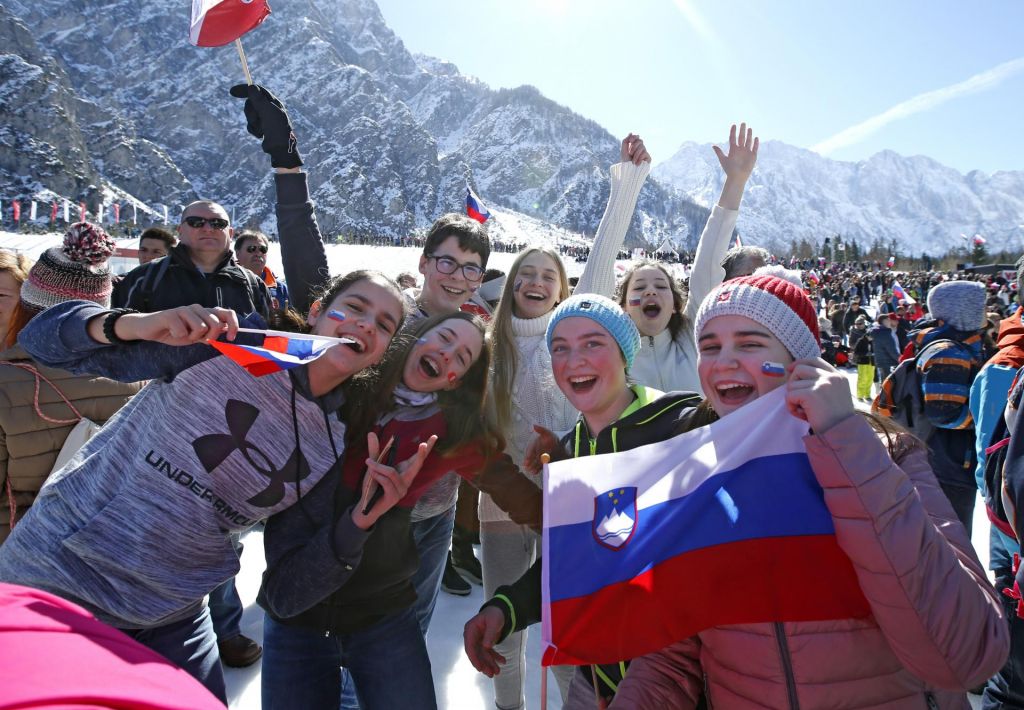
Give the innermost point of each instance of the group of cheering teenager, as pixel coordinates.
(354, 462)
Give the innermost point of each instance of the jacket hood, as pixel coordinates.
(1010, 342)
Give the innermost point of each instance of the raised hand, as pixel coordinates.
(742, 156)
(818, 393)
(267, 119)
(633, 150)
(178, 326)
(479, 636)
(544, 443)
(393, 481)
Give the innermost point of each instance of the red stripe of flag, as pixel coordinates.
(629, 619)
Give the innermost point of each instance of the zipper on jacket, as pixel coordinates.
(930, 699)
(220, 297)
(787, 665)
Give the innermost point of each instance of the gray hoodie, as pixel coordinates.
(135, 528)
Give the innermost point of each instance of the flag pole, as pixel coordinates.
(245, 64)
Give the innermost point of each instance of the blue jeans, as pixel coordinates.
(191, 644)
(388, 663)
(433, 537)
(225, 604)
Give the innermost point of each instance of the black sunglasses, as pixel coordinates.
(253, 247)
(200, 222)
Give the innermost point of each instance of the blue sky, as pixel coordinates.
(839, 76)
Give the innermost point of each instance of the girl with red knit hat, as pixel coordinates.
(935, 627)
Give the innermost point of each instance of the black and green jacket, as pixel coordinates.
(652, 417)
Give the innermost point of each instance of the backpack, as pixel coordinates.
(1004, 468)
(929, 395)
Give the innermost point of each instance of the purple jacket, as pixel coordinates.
(937, 626)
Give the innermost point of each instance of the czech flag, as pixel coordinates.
(280, 351)
(475, 208)
(219, 22)
(900, 294)
(722, 525)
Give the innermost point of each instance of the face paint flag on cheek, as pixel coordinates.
(336, 315)
(519, 285)
(773, 369)
(634, 301)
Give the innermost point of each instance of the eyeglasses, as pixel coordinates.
(448, 265)
(200, 222)
(253, 247)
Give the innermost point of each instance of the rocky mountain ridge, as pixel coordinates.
(102, 99)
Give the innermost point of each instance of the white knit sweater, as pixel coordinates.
(669, 365)
(536, 398)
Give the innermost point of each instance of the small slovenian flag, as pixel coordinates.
(279, 351)
(901, 294)
(641, 547)
(475, 208)
(219, 22)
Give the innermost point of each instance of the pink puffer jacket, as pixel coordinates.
(937, 626)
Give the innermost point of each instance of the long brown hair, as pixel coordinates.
(505, 365)
(370, 393)
(18, 266)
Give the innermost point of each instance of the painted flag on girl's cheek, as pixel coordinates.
(278, 352)
(722, 525)
(475, 208)
(220, 22)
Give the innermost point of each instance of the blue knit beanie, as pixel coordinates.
(606, 313)
(961, 304)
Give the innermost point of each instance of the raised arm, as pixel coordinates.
(737, 164)
(70, 336)
(302, 247)
(627, 177)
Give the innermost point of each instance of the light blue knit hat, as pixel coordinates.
(606, 313)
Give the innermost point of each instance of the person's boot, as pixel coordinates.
(463, 558)
(452, 583)
(239, 651)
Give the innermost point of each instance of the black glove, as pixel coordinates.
(267, 119)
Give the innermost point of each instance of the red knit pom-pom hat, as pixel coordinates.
(776, 303)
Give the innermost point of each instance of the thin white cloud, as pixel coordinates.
(696, 20)
(918, 104)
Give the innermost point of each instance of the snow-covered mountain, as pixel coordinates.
(797, 194)
(106, 97)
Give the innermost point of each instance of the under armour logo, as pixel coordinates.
(213, 449)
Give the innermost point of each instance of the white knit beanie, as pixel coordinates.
(778, 304)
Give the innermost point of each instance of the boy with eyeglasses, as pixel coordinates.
(199, 269)
(251, 249)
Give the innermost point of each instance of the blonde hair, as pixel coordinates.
(18, 266)
(503, 348)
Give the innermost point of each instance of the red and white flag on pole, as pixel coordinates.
(117, 212)
(81, 211)
(53, 212)
(219, 22)
(32, 211)
(16, 210)
(99, 214)
(67, 208)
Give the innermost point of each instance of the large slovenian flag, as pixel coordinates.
(475, 208)
(279, 351)
(219, 22)
(722, 525)
(901, 295)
